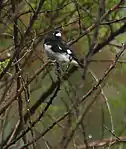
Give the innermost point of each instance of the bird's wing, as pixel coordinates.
(67, 49)
(59, 46)
(62, 47)
(54, 44)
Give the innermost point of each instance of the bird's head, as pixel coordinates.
(57, 33)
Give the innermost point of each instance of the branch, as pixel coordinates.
(110, 38)
(102, 143)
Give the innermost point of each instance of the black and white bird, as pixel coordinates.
(57, 49)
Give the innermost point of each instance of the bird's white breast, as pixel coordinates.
(63, 57)
(47, 48)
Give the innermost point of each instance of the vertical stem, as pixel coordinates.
(17, 65)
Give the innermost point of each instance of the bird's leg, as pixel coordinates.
(58, 67)
(58, 71)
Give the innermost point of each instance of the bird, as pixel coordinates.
(57, 49)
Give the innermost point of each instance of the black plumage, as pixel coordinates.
(57, 49)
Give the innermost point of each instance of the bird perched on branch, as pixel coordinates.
(57, 49)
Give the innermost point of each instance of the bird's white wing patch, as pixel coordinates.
(69, 51)
(58, 34)
(60, 48)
